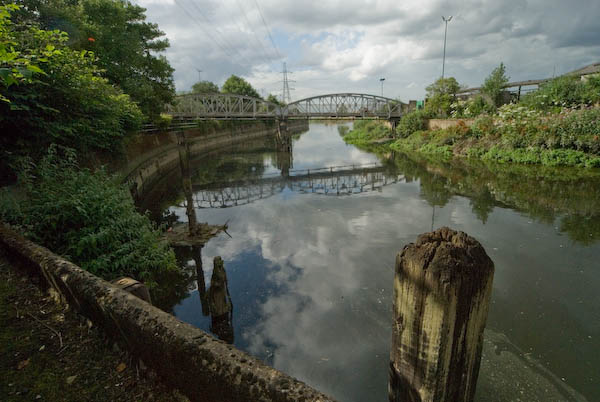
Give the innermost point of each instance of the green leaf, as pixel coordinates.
(35, 69)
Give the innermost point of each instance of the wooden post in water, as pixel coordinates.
(442, 288)
(186, 180)
(220, 305)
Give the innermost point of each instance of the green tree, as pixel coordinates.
(239, 86)
(440, 96)
(67, 102)
(17, 66)
(126, 45)
(273, 99)
(494, 84)
(205, 87)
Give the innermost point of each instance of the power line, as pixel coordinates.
(225, 41)
(267, 28)
(204, 29)
(241, 8)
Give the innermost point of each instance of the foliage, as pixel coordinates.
(67, 103)
(366, 131)
(564, 91)
(127, 47)
(443, 86)
(205, 87)
(239, 86)
(440, 96)
(16, 66)
(411, 122)
(472, 107)
(90, 219)
(163, 121)
(494, 84)
(273, 99)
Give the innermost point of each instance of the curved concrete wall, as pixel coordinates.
(203, 368)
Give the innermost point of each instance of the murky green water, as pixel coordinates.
(310, 261)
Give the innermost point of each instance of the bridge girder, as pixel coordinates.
(230, 106)
(222, 106)
(345, 105)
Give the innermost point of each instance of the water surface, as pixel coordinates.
(311, 253)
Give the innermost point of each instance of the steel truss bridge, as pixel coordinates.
(228, 106)
(330, 181)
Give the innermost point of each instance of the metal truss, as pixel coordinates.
(222, 106)
(345, 105)
(227, 106)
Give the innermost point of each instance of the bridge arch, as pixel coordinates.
(345, 105)
(231, 106)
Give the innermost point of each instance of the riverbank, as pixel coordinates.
(49, 353)
(518, 135)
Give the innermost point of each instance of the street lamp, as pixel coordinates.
(381, 80)
(446, 20)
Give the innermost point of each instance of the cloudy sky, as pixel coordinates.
(347, 46)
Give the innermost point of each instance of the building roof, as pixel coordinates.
(589, 69)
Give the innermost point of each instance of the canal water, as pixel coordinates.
(309, 256)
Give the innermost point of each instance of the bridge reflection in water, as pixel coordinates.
(332, 181)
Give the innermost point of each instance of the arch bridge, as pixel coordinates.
(230, 106)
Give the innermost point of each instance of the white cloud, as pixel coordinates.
(339, 46)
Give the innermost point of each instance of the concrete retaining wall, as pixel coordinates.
(201, 367)
(150, 155)
(440, 124)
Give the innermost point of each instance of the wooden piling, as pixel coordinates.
(442, 288)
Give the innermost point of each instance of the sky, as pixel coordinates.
(333, 46)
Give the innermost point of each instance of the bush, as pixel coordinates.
(564, 91)
(411, 122)
(163, 121)
(90, 219)
(366, 131)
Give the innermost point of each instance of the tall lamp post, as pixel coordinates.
(446, 20)
(381, 80)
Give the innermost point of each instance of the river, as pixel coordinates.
(310, 255)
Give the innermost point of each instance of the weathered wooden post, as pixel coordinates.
(442, 288)
(186, 180)
(220, 305)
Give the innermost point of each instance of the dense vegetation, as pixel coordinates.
(87, 217)
(559, 124)
(52, 93)
(59, 101)
(126, 47)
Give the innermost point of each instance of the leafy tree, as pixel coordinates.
(440, 96)
(443, 86)
(17, 66)
(67, 102)
(273, 99)
(239, 86)
(494, 84)
(205, 87)
(126, 46)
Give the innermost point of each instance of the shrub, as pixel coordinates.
(163, 121)
(90, 219)
(411, 122)
(564, 91)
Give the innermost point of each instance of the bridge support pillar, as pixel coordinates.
(393, 125)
